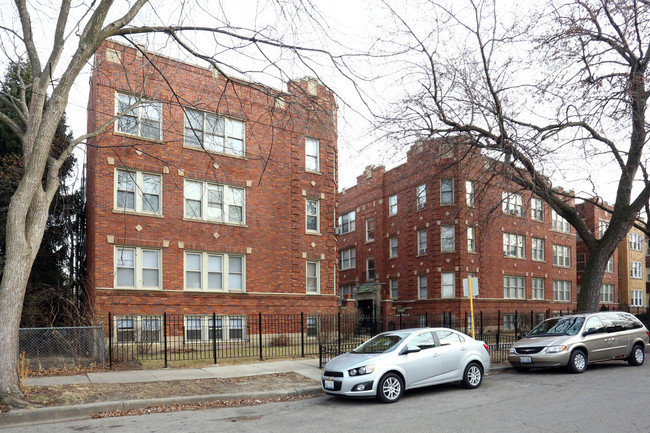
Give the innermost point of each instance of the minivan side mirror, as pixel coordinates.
(410, 349)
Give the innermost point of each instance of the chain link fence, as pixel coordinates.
(47, 348)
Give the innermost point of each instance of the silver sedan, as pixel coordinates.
(386, 365)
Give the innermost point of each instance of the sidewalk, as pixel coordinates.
(306, 367)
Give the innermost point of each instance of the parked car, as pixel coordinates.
(576, 340)
(389, 363)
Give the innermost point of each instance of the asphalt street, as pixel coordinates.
(607, 398)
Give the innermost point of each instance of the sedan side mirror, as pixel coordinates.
(410, 349)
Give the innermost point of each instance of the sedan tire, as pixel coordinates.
(637, 356)
(473, 376)
(577, 362)
(390, 388)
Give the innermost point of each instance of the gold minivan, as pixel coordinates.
(576, 340)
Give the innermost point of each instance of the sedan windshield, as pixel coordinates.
(380, 344)
(558, 326)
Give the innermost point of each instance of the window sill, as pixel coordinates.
(421, 255)
(140, 289)
(138, 137)
(135, 213)
(514, 258)
(538, 260)
(448, 252)
(195, 220)
(370, 241)
(318, 173)
(313, 233)
(225, 292)
(201, 149)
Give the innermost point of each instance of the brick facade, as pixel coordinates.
(270, 242)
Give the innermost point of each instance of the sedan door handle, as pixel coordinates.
(463, 348)
(436, 355)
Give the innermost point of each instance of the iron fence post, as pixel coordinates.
(516, 323)
(426, 319)
(465, 327)
(339, 332)
(302, 335)
(259, 315)
(165, 336)
(110, 340)
(498, 327)
(214, 337)
(400, 320)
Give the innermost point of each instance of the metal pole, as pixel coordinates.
(214, 337)
(498, 328)
(259, 315)
(302, 335)
(165, 336)
(110, 340)
(339, 332)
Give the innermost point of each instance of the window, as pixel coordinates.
(446, 150)
(513, 245)
(193, 328)
(471, 239)
(125, 329)
(312, 154)
(214, 202)
(144, 121)
(538, 249)
(469, 193)
(137, 268)
(370, 229)
(562, 291)
(138, 192)
(220, 328)
(602, 228)
(580, 261)
(394, 288)
(236, 328)
(348, 258)
(347, 222)
(214, 133)
(421, 196)
(214, 272)
(313, 276)
(138, 329)
(312, 215)
(509, 321)
(393, 248)
(561, 256)
(446, 191)
(538, 288)
(636, 242)
(447, 285)
(423, 288)
(512, 203)
(422, 242)
(559, 224)
(345, 291)
(447, 239)
(392, 205)
(514, 287)
(610, 265)
(637, 298)
(370, 269)
(636, 270)
(607, 293)
(537, 209)
(313, 326)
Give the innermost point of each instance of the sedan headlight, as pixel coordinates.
(513, 351)
(555, 349)
(366, 369)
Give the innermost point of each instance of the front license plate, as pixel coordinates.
(329, 384)
(525, 359)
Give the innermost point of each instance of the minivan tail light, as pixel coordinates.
(487, 348)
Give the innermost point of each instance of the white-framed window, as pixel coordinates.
(313, 325)
(393, 247)
(370, 230)
(312, 215)
(512, 203)
(636, 270)
(215, 133)
(509, 321)
(208, 328)
(636, 242)
(447, 239)
(514, 287)
(538, 288)
(138, 329)
(636, 298)
(145, 120)
(348, 259)
(215, 272)
(470, 198)
(423, 287)
(471, 239)
(607, 293)
(537, 209)
(446, 191)
(602, 228)
(215, 202)
(422, 242)
(347, 222)
(562, 291)
(447, 284)
(312, 154)
(581, 260)
(558, 223)
(421, 196)
(537, 249)
(514, 245)
(610, 265)
(313, 276)
(446, 150)
(138, 268)
(136, 191)
(392, 205)
(345, 291)
(370, 268)
(394, 288)
(561, 256)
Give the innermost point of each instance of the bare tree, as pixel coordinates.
(88, 25)
(548, 92)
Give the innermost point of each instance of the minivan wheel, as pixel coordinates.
(637, 356)
(473, 376)
(577, 362)
(390, 388)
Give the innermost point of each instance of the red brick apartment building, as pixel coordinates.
(410, 235)
(211, 195)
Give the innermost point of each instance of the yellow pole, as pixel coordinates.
(471, 305)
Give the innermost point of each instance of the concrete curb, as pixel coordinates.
(22, 417)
